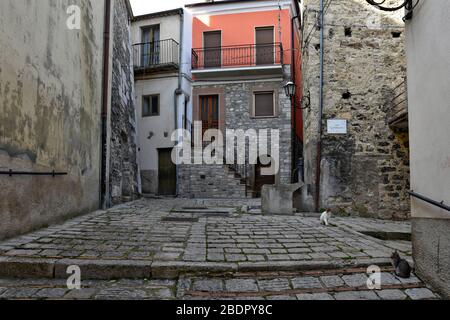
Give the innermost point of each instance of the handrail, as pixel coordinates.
(152, 42)
(32, 173)
(240, 46)
(430, 201)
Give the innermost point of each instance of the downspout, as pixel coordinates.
(104, 113)
(293, 75)
(321, 97)
(179, 90)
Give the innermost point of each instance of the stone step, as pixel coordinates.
(25, 268)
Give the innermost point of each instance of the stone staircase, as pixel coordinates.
(213, 181)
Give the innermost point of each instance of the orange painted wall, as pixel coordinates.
(239, 28)
(298, 82)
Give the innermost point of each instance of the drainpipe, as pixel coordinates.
(179, 90)
(319, 143)
(293, 75)
(104, 114)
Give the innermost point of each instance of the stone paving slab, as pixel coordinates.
(367, 224)
(134, 240)
(257, 286)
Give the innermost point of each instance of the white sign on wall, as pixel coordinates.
(337, 126)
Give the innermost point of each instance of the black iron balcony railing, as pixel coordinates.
(155, 54)
(237, 56)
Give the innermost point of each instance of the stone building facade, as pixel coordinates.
(366, 171)
(231, 180)
(123, 164)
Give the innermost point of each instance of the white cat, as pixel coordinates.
(325, 217)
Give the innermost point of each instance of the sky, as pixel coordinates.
(141, 7)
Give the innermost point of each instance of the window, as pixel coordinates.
(150, 106)
(213, 52)
(265, 49)
(264, 104)
(150, 48)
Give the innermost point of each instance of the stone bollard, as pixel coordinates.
(279, 199)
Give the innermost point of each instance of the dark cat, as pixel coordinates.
(402, 267)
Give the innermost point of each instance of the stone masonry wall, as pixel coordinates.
(365, 172)
(123, 162)
(238, 100)
(209, 181)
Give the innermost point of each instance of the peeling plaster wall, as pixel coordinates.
(50, 104)
(366, 171)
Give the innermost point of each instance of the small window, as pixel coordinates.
(264, 104)
(348, 31)
(150, 106)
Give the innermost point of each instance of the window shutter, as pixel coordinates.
(264, 104)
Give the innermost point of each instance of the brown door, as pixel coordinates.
(264, 46)
(213, 49)
(260, 179)
(209, 108)
(167, 173)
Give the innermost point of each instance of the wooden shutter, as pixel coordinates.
(264, 105)
(213, 51)
(264, 46)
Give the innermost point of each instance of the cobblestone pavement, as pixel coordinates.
(180, 230)
(242, 255)
(330, 285)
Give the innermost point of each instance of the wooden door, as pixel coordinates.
(212, 44)
(260, 179)
(167, 173)
(209, 109)
(265, 48)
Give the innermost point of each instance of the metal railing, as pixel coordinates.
(238, 56)
(399, 105)
(157, 53)
(430, 201)
(32, 173)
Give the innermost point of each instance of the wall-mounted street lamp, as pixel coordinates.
(305, 103)
(409, 6)
(289, 88)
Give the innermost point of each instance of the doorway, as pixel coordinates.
(167, 173)
(260, 179)
(209, 111)
(265, 49)
(150, 48)
(212, 43)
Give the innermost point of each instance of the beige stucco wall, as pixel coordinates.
(169, 28)
(164, 84)
(50, 104)
(428, 48)
(428, 52)
(158, 125)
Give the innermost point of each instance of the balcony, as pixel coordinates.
(156, 56)
(397, 115)
(241, 60)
